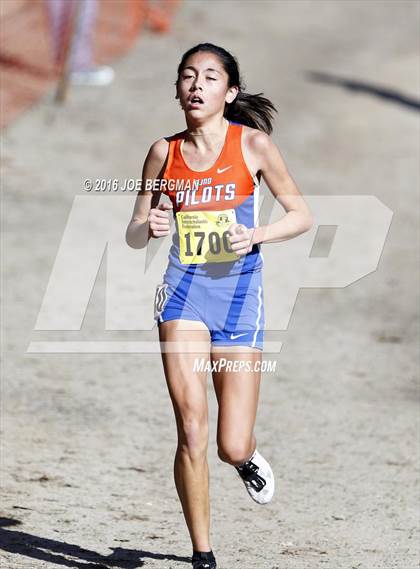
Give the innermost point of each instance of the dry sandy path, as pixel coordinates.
(88, 439)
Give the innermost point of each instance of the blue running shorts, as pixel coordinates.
(232, 307)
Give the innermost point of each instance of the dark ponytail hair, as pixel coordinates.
(251, 110)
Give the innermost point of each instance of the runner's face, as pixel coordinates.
(203, 76)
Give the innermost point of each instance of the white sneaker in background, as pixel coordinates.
(96, 76)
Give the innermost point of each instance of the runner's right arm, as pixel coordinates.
(150, 219)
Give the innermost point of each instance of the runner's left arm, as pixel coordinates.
(298, 218)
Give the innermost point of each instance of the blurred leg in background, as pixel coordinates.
(72, 24)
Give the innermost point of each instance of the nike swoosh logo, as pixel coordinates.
(234, 336)
(221, 170)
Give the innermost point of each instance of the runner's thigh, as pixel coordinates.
(237, 393)
(189, 346)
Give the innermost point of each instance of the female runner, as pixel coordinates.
(212, 288)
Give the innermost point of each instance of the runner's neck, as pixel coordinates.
(204, 140)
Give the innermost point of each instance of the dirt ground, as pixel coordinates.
(89, 438)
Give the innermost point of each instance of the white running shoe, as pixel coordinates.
(96, 76)
(258, 478)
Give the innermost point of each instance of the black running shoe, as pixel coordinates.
(203, 561)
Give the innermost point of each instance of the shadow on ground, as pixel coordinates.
(32, 546)
(391, 95)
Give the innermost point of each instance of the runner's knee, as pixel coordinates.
(193, 436)
(235, 451)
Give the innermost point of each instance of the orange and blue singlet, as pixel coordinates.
(205, 280)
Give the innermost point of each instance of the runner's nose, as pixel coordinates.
(197, 84)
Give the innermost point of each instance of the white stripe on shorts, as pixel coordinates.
(257, 324)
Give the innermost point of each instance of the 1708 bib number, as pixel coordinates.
(203, 236)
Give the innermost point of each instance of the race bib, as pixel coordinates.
(203, 236)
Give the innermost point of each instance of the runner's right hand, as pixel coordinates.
(159, 220)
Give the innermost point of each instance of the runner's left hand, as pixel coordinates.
(240, 238)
